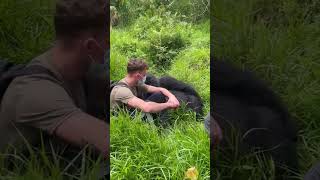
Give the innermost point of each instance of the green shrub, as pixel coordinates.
(118, 65)
(163, 47)
(124, 42)
(189, 10)
(193, 67)
(157, 39)
(166, 37)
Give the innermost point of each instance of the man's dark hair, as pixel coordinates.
(135, 65)
(75, 16)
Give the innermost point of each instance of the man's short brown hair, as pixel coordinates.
(136, 65)
(74, 16)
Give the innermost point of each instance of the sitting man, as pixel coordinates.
(55, 102)
(131, 91)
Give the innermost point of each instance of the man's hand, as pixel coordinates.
(171, 105)
(174, 101)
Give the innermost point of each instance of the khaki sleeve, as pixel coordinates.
(123, 94)
(43, 104)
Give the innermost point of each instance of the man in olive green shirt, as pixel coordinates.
(57, 105)
(130, 90)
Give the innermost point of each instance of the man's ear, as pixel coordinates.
(90, 45)
(135, 75)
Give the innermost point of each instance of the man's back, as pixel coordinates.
(38, 101)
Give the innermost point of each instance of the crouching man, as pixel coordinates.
(130, 91)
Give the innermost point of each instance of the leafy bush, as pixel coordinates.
(128, 44)
(158, 39)
(189, 10)
(163, 47)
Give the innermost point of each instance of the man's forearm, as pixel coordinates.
(153, 107)
(83, 129)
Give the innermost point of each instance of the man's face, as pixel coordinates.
(140, 75)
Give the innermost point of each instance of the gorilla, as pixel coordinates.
(183, 92)
(243, 106)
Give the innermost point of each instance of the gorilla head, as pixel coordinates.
(152, 80)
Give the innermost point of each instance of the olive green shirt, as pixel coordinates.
(120, 94)
(38, 102)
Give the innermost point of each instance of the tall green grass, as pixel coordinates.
(26, 29)
(141, 150)
(279, 40)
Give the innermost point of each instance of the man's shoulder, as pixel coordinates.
(120, 90)
(31, 93)
(42, 60)
(119, 85)
(32, 85)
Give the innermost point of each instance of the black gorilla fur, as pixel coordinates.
(183, 92)
(241, 101)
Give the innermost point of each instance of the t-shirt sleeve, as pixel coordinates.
(123, 94)
(44, 104)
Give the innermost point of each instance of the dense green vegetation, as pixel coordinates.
(26, 29)
(279, 40)
(173, 37)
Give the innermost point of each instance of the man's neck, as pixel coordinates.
(67, 64)
(130, 81)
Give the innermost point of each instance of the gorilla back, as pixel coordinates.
(243, 105)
